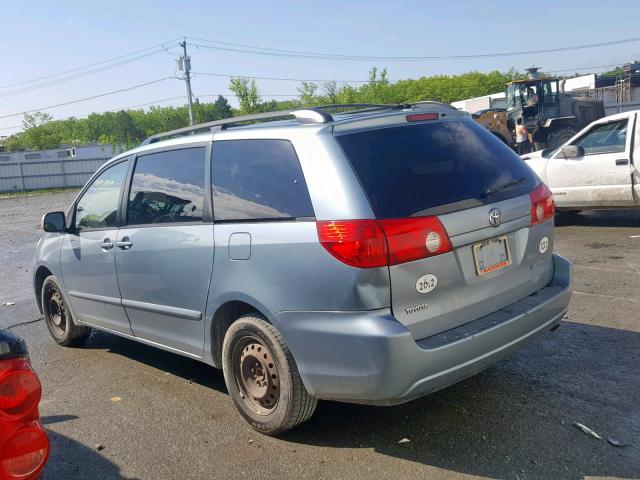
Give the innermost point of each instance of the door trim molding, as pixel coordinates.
(144, 306)
(95, 298)
(163, 309)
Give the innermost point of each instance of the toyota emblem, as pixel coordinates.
(495, 217)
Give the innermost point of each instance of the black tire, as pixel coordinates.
(58, 318)
(560, 136)
(262, 377)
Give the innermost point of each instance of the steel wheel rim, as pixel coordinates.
(256, 375)
(56, 311)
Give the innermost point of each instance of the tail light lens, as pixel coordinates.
(411, 239)
(24, 446)
(379, 243)
(359, 243)
(543, 206)
(25, 452)
(20, 388)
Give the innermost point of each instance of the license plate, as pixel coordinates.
(491, 255)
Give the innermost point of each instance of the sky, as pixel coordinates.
(42, 38)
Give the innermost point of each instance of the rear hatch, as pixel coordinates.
(458, 175)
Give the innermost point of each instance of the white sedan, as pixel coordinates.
(597, 168)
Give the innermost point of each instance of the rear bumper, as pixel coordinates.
(370, 357)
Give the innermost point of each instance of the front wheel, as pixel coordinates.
(262, 377)
(58, 317)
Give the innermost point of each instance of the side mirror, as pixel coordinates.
(572, 151)
(54, 222)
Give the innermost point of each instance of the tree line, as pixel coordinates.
(129, 127)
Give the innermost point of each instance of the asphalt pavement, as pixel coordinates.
(117, 409)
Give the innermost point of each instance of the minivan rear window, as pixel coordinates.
(436, 167)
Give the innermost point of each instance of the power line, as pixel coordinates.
(89, 98)
(584, 68)
(228, 75)
(72, 77)
(153, 102)
(255, 50)
(261, 94)
(161, 46)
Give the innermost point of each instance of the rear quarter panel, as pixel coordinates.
(287, 269)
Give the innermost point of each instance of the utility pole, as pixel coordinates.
(185, 62)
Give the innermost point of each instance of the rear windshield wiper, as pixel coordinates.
(491, 190)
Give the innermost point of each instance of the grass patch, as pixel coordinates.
(31, 193)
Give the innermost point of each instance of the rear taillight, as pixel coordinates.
(19, 389)
(24, 446)
(25, 452)
(378, 243)
(359, 243)
(543, 206)
(411, 239)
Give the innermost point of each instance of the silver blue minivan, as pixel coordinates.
(366, 254)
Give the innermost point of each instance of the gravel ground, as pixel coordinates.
(20, 219)
(118, 409)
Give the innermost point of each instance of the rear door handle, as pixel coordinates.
(622, 161)
(124, 244)
(107, 244)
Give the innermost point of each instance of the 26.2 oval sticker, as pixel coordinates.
(426, 283)
(544, 245)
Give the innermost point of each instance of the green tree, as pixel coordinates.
(246, 92)
(307, 93)
(36, 119)
(38, 132)
(330, 90)
(222, 107)
(14, 143)
(127, 128)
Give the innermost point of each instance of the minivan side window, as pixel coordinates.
(608, 137)
(258, 180)
(98, 206)
(167, 187)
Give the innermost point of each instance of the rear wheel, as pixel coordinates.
(262, 377)
(58, 317)
(561, 136)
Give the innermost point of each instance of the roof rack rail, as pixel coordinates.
(217, 123)
(309, 115)
(303, 115)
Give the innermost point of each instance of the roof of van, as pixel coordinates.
(312, 118)
(320, 115)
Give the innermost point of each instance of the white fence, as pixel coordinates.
(20, 176)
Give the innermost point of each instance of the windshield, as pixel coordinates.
(452, 165)
(514, 100)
